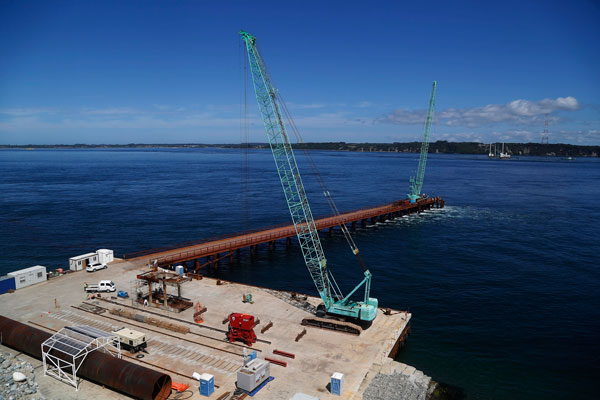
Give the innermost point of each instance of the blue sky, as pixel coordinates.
(172, 71)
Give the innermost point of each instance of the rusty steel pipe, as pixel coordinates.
(101, 368)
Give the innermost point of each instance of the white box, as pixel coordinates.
(253, 374)
(105, 256)
(29, 276)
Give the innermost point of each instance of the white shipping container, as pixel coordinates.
(81, 262)
(29, 276)
(105, 256)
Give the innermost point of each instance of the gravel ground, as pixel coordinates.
(398, 386)
(11, 390)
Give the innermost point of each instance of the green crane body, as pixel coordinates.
(416, 184)
(304, 223)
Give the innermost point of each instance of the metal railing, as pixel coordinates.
(231, 235)
(280, 231)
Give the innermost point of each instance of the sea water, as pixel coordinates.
(503, 283)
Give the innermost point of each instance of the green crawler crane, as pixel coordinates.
(334, 303)
(416, 183)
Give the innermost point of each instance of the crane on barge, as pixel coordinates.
(416, 183)
(336, 308)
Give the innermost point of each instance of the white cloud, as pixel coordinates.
(297, 106)
(112, 111)
(517, 112)
(328, 120)
(16, 112)
(461, 137)
(404, 116)
(583, 136)
(221, 123)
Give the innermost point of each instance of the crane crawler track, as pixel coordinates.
(333, 324)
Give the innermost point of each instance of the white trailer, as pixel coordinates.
(105, 256)
(29, 276)
(81, 262)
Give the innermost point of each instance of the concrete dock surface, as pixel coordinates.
(57, 303)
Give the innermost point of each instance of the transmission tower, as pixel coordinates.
(545, 134)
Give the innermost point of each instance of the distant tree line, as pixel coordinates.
(445, 147)
(441, 146)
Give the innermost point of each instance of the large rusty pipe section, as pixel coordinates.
(99, 367)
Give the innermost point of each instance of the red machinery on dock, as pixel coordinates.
(241, 326)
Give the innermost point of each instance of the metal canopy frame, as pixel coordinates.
(65, 351)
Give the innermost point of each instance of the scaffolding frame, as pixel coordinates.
(162, 289)
(67, 349)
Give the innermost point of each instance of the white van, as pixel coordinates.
(102, 286)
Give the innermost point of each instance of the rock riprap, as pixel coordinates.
(17, 379)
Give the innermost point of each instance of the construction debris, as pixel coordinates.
(301, 334)
(92, 308)
(150, 320)
(199, 309)
(247, 298)
(266, 327)
(284, 353)
(296, 296)
(224, 396)
(275, 361)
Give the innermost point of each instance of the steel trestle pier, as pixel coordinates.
(215, 249)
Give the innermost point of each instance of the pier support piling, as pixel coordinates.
(207, 250)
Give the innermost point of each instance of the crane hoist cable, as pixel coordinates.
(317, 174)
(244, 134)
(321, 182)
(295, 195)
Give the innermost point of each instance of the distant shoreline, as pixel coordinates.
(440, 147)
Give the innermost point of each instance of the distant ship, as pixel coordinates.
(503, 155)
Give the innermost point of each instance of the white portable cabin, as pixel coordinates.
(81, 262)
(29, 276)
(105, 256)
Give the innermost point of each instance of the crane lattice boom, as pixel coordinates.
(295, 196)
(416, 184)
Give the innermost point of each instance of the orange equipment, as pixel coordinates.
(180, 387)
(199, 309)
